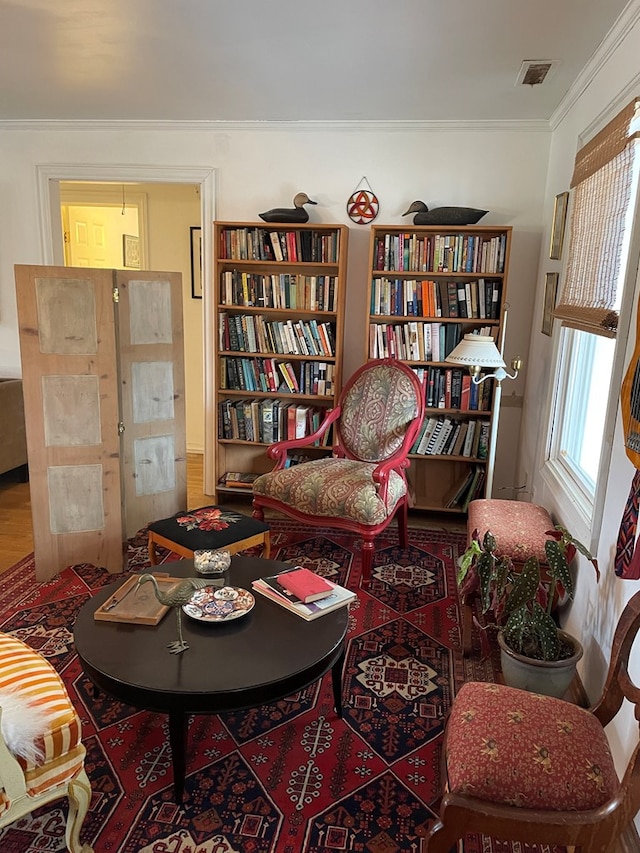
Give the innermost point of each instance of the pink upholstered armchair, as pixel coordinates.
(363, 485)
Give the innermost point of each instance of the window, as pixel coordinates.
(584, 378)
(605, 183)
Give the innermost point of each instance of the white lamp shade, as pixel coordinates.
(476, 350)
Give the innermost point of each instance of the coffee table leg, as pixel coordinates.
(336, 681)
(178, 731)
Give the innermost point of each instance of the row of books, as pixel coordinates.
(265, 244)
(272, 375)
(415, 340)
(453, 388)
(284, 291)
(238, 480)
(477, 298)
(470, 487)
(267, 421)
(444, 436)
(252, 333)
(454, 253)
(272, 587)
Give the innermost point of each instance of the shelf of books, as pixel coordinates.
(429, 286)
(279, 316)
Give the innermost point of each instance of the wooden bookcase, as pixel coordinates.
(280, 294)
(422, 278)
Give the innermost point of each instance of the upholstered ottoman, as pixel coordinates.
(208, 528)
(520, 530)
(518, 748)
(41, 754)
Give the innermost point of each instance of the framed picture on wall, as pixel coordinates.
(550, 296)
(131, 251)
(196, 261)
(557, 228)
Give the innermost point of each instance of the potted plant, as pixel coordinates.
(535, 653)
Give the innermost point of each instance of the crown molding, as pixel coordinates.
(499, 126)
(627, 20)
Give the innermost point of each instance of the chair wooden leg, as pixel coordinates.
(367, 560)
(151, 547)
(266, 546)
(403, 525)
(79, 801)
(467, 625)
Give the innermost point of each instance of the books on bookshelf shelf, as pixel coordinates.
(477, 298)
(238, 480)
(269, 420)
(457, 252)
(257, 243)
(270, 586)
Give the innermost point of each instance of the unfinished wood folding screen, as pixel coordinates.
(103, 378)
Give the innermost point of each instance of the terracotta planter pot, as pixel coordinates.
(551, 678)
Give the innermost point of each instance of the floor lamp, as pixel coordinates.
(477, 352)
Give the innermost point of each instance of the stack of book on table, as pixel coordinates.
(303, 592)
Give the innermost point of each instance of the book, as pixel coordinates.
(270, 588)
(238, 480)
(306, 585)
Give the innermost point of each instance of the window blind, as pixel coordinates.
(601, 184)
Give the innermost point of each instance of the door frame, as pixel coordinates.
(51, 239)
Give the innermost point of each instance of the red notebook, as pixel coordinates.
(305, 584)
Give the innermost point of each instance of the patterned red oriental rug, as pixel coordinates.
(284, 778)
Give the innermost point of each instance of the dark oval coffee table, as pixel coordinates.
(264, 656)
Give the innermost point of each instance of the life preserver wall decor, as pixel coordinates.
(363, 204)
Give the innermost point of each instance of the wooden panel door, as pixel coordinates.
(103, 378)
(69, 375)
(151, 350)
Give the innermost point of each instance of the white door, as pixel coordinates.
(94, 234)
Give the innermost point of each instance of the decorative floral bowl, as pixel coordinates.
(210, 563)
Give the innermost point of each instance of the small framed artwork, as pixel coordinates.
(557, 228)
(196, 261)
(550, 296)
(131, 251)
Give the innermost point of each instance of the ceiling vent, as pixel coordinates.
(535, 72)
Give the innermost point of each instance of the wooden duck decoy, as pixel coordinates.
(297, 213)
(444, 215)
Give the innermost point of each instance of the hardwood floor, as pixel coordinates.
(16, 536)
(16, 532)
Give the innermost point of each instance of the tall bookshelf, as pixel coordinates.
(429, 286)
(279, 316)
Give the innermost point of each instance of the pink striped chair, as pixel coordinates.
(27, 783)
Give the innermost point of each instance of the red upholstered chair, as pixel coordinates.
(531, 768)
(363, 485)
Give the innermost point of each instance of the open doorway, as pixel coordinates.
(49, 177)
(144, 226)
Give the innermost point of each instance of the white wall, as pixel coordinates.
(594, 613)
(500, 167)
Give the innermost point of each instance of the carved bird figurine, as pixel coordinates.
(444, 215)
(175, 597)
(297, 213)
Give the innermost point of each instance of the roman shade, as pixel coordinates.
(602, 185)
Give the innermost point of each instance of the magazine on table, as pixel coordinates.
(272, 589)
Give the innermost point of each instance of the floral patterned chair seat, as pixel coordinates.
(363, 486)
(535, 769)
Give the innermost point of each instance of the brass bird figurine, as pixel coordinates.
(175, 597)
(297, 213)
(444, 215)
